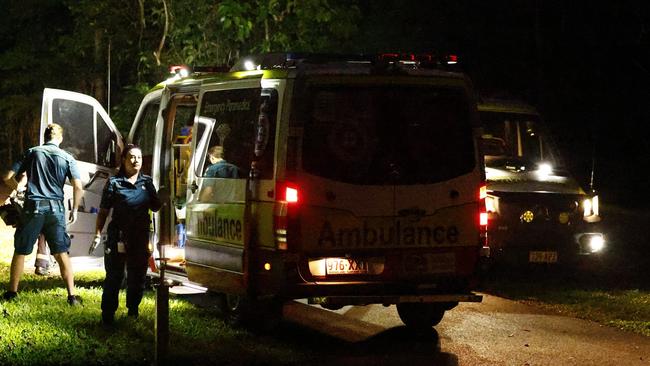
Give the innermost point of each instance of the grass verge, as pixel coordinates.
(591, 298)
(40, 328)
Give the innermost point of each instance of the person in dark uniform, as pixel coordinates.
(131, 195)
(47, 167)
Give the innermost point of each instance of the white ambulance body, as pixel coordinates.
(357, 181)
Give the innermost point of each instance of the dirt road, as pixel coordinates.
(495, 332)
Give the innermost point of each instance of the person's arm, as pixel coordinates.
(104, 209)
(99, 226)
(101, 220)
(77, 194)
(10, 181)
(155, 198)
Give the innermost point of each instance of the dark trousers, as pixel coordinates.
(135, 260)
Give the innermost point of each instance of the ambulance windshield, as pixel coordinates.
(385, 134)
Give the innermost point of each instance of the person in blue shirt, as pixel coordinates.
(131, 195)
(47, 167)
(219, 167)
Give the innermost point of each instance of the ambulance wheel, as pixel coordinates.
(242, 311)
(420, 315)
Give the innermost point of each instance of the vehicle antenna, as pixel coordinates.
(593, 163)
(108, 80)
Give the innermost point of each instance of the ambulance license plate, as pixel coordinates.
(542, 257)
(342, 266)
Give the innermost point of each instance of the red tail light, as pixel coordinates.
(291, 194)
(286, 211)
(287, 192)
(483, 219)
(483, 216)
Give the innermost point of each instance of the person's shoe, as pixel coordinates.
(42, 271)
(108, 318)
(9, 295)
(74, 300)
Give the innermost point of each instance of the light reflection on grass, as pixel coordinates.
(39, 328)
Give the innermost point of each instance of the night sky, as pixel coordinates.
(584, 64)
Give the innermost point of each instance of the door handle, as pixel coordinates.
(193, 187)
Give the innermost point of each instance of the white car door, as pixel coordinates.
(92, 138)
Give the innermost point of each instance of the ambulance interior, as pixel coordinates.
(179, 117)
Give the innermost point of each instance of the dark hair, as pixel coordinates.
(51, 131)
(126, 150)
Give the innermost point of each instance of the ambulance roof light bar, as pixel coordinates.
(183, 71)
(290, 60)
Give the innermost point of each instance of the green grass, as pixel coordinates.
(591, 299)
(40, 328)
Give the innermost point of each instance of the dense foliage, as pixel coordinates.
(83, 45)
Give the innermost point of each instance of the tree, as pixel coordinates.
(65, 44)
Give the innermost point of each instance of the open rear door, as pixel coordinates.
(92, 138)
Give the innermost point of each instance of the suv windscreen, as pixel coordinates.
(514, 137)
(384, 134)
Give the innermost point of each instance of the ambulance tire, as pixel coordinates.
(243, 311)
(420, 315)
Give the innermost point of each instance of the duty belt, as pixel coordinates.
(41, 204)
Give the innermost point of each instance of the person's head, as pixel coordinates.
(131, 160)
(53, 133)
(215, 153)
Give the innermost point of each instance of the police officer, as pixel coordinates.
(47, 167)
(131, 195)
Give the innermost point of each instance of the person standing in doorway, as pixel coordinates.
(131, 195)
(47, 167)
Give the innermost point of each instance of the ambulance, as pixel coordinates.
(350, 180)
(538, 212)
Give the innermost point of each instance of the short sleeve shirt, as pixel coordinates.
(222, 169)
(47, 167)
(130, 202)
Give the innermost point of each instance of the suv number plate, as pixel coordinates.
(542, 257)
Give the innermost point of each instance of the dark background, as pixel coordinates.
(583, 64)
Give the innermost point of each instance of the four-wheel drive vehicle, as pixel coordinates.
(351, 181)
(538, 213)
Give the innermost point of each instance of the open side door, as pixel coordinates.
(92, 138)
(218, 246)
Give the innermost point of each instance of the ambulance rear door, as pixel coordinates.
(438, 178)
(91, 137)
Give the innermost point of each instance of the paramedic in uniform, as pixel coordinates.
(219, 167)
(131, 195)
(47, 167)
